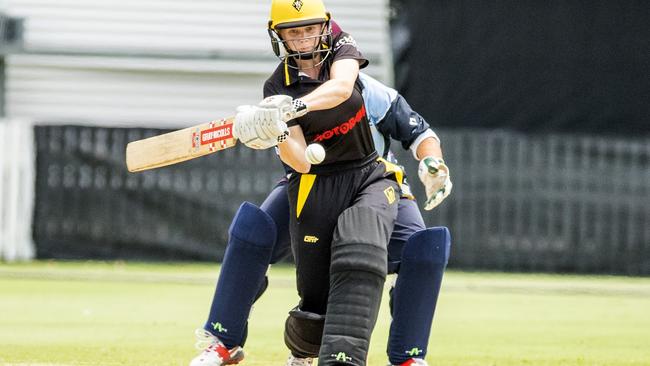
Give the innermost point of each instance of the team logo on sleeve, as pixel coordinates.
(347, 39)
(297, 4)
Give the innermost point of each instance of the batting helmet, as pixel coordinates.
(297, 13)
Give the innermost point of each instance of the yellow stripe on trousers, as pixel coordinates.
(306, 183)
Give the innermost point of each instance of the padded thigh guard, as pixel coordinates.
(242, 278)
(357, 275)
(415, 295)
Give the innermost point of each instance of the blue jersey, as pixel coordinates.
(391, 117)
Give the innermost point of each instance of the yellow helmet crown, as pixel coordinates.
(297, 13)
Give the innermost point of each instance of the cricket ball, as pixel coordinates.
(315, 153)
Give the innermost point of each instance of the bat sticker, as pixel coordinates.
(216, 134)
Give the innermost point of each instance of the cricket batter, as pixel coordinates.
(305, 325)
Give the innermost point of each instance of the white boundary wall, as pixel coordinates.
(159, 63)
(16, 189)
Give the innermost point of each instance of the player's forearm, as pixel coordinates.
(336, 90)
(292, 151)
(329, 95)
(429, 147)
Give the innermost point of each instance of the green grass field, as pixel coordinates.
(54, 313)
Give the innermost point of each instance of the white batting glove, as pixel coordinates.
(287, 107)
(259, 128)
(434, 175)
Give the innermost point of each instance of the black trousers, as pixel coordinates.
(316, 202)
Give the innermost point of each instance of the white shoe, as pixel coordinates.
(214, 352)
(412, 362)
(296, 361)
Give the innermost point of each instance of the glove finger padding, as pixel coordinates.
(276, 101)
(267, 123)
(249, 127)
(261, 127)
(287, 107)
(243, 122)
(244, 108)
(261, 122)
(434, 175)
(280, 103)
(273, 123)
(258, 126)
(281, 128)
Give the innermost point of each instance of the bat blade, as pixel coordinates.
(178, 146)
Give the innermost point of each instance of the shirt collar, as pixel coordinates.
(291, 74)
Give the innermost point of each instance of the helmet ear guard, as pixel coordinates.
(275, 40)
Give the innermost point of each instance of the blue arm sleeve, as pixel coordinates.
(402, 123)
(390, 113)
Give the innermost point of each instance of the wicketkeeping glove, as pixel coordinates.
(434, 175)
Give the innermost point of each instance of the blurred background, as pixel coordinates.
(543, 109)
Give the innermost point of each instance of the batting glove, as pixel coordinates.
(434, 175)
(287, 107)
(259, 128)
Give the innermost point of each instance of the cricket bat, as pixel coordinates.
(177, 146)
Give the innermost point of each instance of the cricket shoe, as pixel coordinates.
(412, 362)
(297, 361)
(215, 352)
